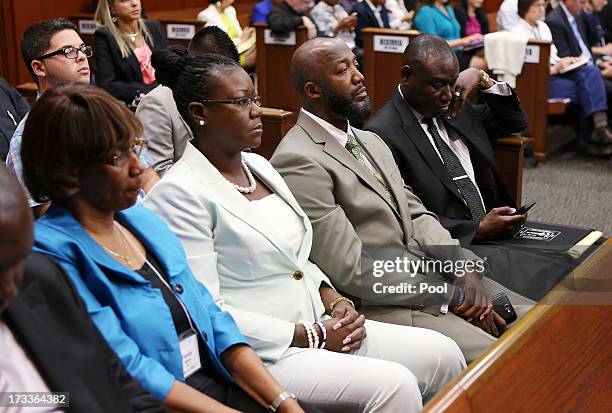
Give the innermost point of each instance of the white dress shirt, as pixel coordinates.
(342, 137)
(458, 146)
(17, 372)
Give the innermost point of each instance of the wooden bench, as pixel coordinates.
(273, 67)
(555, 359)
(276, 124)
(383, 49)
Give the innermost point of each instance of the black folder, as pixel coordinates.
(544, 236)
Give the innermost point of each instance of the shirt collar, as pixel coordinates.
(417, 115)
(373, 7)
(338, 134)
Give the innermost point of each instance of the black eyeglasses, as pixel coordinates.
(243, 102)
(120, 158)
(69, 52)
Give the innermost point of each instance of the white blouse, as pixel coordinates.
(286, 221)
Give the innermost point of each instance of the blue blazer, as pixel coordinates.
(128, 311)
(431, 20)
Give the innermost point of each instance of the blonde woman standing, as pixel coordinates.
(124, 43)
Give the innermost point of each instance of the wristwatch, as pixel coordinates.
(272, 407)
(484, 80)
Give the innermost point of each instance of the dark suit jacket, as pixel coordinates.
(10, 102)
(366, 18)
(563, 35)
(462, 17)
(122, 77)
(283, 19)
(605, 16)
(423, 170)
(49, 319)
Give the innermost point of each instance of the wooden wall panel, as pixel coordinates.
(17, 15)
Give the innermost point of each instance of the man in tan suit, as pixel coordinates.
(369, 228)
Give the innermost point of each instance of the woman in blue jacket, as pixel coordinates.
(80, 151)
(437, 17)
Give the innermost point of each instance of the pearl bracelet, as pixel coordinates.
(324, 332)
(311, 333)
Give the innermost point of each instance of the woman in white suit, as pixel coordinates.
(248, 241)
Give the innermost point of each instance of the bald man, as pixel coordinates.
(48, 341)
(371, 235)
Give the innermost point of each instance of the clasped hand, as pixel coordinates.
(345, 330)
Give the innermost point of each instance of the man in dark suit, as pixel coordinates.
(570, 36)
(370, 13)
(451, 169)
(48, 341)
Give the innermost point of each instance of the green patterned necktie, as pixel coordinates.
(353, 147)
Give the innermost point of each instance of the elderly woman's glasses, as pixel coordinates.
(244, 102)
(69, 52)
(120, 158)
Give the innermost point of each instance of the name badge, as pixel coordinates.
(190, 352)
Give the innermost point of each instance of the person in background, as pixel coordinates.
(507, 16)
(569, 34)
(605, 16)
(472, 18)
(47, 338)
(333, 21)
(370, 13)
(437, 17)
(223, 15)
(262, 9)
(597, 38)
(291, 14)
(163, 125)
(13, 108)
(400, 18)
(124, 43)
(128, 266)
(54, 54)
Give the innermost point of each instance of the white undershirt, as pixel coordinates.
(17, 372)
(286, 220)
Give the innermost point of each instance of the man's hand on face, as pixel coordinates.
(475, 304)
(465, 83)
(499, 223)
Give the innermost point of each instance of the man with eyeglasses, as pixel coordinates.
(55, 54)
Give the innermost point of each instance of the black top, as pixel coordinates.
(181, 323)
(12, 109)
(123, 77)
(49, 319)
(462, 17)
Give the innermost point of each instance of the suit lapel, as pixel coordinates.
(463, 126)
(133, 62)
(231, 200)
(318, 134)
(570, 31)
(413, 131)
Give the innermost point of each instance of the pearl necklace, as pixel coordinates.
(252, 183)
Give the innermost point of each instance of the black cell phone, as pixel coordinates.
(524, 208)
(503, 307)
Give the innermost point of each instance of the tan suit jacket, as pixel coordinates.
(351, 215)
